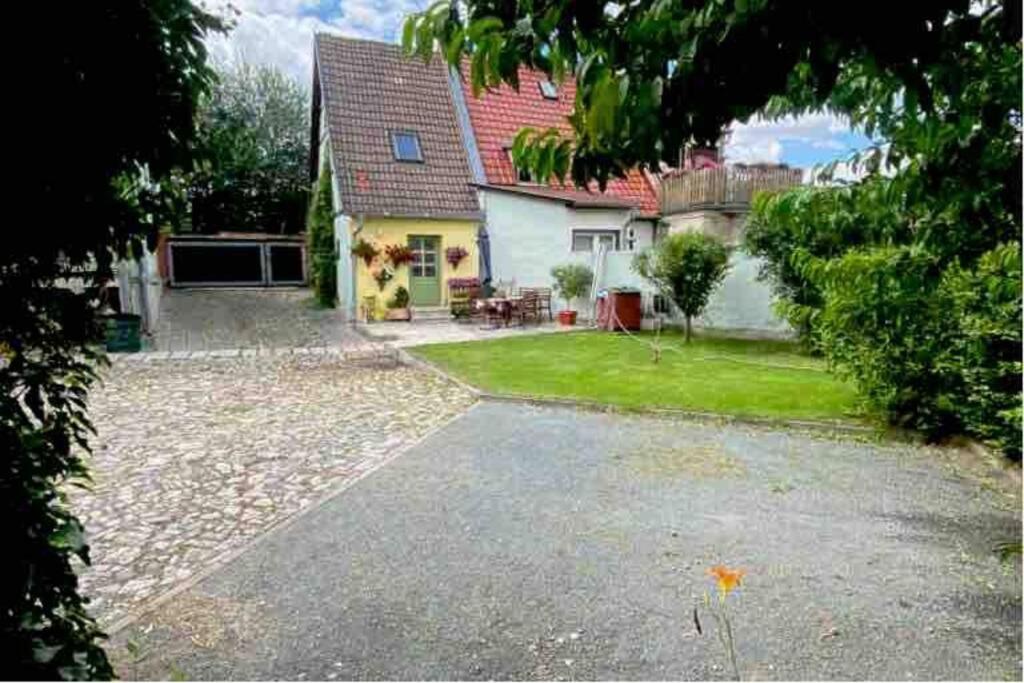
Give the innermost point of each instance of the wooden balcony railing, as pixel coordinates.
(730, 187)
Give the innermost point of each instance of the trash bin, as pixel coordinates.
(124, 333)
(619, 309)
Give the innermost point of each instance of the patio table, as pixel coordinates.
(503, 306)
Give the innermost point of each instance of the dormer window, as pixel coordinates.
(548, 90)
(523, 175)
(406, 145)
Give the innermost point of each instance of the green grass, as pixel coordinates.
(771, 379)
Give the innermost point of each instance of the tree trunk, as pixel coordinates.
(688, 329)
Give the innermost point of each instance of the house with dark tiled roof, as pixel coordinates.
(386, 129)
(419, 161)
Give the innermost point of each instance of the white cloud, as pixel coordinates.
(761, 140)
(280, 32)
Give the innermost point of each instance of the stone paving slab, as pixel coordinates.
(194, 457)
(522, 543)
(249, 318)
(417, 333)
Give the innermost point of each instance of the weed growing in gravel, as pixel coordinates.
(727, 580)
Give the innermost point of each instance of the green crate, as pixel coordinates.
(124, 333)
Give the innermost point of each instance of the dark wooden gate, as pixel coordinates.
(236, 260)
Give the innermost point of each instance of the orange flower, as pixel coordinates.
(726, 578)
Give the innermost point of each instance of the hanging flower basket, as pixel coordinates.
(383, 276)
(398, 254)
(454, 256)
(365, 251)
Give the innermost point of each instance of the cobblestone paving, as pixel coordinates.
(195, 457)
(212, 319)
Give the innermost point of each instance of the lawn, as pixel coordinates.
(771, 379)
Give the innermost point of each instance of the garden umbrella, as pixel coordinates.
(483, 243)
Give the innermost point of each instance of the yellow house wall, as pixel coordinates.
(384, 231)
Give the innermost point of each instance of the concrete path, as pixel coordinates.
(538, 543)
(417, 333)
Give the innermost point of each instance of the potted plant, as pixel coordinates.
(454, 256)
(366, 251)
(572, 280)
(398, 306)
(382, 276)
(398, 254)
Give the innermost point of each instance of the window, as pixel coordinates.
(523, 175)
(548, 90)
(588, 240)
(424, 256)
(406, 145)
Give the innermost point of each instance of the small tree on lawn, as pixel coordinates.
(686, 268)
(572, 280)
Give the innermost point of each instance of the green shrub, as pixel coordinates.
(924, 323)
(572, 280)
(320, 240)
(686, 268)
(400, 299)
(986, 352)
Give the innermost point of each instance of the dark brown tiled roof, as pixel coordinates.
(370, 89)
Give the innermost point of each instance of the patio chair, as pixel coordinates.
(543, 301)
(528, 306)
(493, 312)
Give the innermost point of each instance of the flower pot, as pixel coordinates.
(399, 314)
(567, 317)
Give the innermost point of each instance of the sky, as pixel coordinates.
(280, 33)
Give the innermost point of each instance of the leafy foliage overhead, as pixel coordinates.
(254, 145)
(113, 98)
(655, 74)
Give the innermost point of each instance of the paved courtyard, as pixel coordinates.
(216, 319)
(522, 542)
(195, 457)
(416, 333)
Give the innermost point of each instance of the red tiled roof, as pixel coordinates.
(499, 113)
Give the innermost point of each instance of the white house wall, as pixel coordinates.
(742, 302)
(530, 236)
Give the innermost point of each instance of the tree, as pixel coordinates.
(938, 84)
(113, 105)
(645, 70)
(686, 268)
(572, 280)
(320, 237)
(254, 144)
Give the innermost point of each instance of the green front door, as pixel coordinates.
(425, 271)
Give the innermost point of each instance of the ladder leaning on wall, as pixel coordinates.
(598, 266)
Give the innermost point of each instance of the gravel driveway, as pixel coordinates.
(534, 543)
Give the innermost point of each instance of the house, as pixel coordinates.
(534, 226)
(386, 129)
(418, 160)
